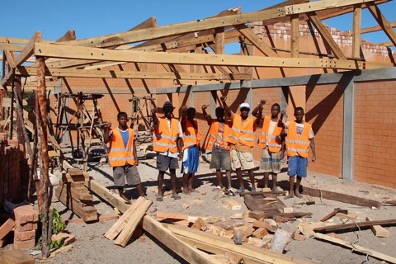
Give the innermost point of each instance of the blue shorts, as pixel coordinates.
(297, 166)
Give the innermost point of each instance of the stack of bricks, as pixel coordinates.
(10, 169)
(26, 218)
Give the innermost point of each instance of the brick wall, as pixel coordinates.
(375, 133)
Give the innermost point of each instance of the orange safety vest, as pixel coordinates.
(118, 154)
(295, 145)
(191, 136)
(243, 132)
(212, 135)
(274, 145)
(165, 139)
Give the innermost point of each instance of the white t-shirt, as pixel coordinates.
(271, 129)
(300, 128)
(168, 153)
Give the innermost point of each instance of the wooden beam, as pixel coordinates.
(219, 244)
(133, 221)
(105, 194)
(295, 36)
(385, 25)
(375, 28)
(357, 20)
(117, 227)
(150, 22)
(28, 50)
(210, 23)
(219, 40)
(72, 52)
(256, 41)
(326, 35)
(11, 47)
(354, 226)
(166, 237)
(378, 230)
(69, 35)
(341, 197)
(354, 247)
(116, 74)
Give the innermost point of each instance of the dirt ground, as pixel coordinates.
(92, 247)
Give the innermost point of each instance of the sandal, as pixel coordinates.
(176, 196)
(160, 198)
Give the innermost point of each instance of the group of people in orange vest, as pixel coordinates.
(230, 139)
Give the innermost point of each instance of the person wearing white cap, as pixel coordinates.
(242, 140)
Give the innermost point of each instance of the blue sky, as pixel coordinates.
(94, 18)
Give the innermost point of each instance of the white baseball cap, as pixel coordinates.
(244, 105)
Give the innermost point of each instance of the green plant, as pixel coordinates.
(57, 223)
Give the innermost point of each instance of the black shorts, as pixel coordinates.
(164, 163)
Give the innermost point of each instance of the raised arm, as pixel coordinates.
(280, 121)
(206, 115)
(154, 116)
(183, 117)
(225, 106)
(106, 137)
(258, 111)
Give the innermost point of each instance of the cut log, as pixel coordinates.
(341, 197)
(132, 222)
(363, 250)
(378, 230)
(187, 252)
(105, 194)
(115, 229)
(220, 245)
(354, 226)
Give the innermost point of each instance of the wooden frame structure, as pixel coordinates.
(182, 48)
(191, 54)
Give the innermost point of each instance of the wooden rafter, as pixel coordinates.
(210, 23)
(63, 51)
(357, 19)
(385, 25)
(256, 41)
(326, 35)
(376, 28)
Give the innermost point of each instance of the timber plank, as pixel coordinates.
(87, 213)
(133, 220)
(115, 229)
(220, 245)
(354, 226)
(165, 236)
(345, 198)
(357, 248)
(106, 195)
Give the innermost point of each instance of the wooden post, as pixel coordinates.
(42, 98)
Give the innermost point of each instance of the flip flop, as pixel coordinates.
(176, 196)
(160, 198)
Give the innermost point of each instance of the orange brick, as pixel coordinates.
(25, 227)
(6, 228)
(25, 213)
(24, 245)
(24, 235)
(16, 256)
